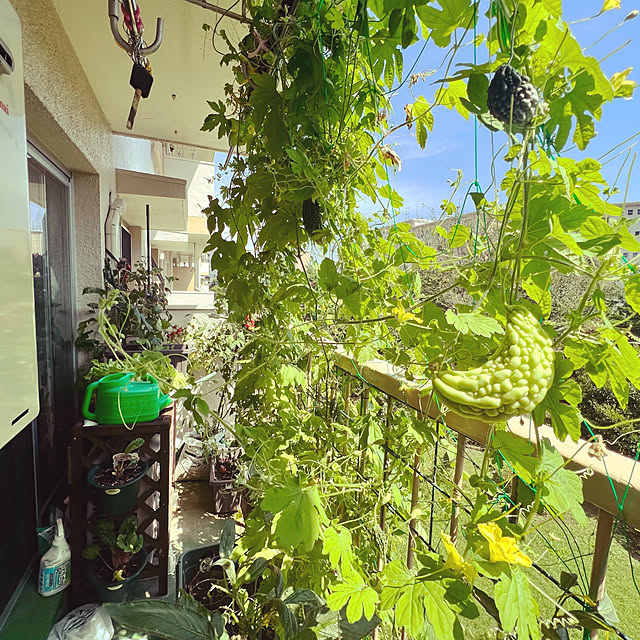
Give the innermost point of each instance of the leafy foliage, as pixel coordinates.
(140, 314)
(122, 544)
(309, 119)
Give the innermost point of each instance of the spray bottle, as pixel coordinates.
(55, 565)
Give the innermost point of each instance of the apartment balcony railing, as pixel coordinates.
(609, 482)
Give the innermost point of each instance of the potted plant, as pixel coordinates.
(116, 486)
(223, 474)
(118, 559)
(243, 598)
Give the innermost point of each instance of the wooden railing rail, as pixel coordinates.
(596, 486)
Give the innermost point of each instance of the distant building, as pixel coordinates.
(631, 211)
(425, 230)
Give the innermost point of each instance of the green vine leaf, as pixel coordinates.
(441, 23)
(632, 292)
(561, 402)
(420, 605)
(298, 511)
(561, 488)
(423, 120)
(359, 598)
(337, 545)
(516, 606)
(519, 453)
(474, 322)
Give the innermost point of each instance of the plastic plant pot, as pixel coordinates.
(227, 497)
(122, 590)
(189, 564)
(115, 501)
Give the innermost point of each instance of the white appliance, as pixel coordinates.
(18, 357)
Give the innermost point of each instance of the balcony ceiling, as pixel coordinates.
(185, 66)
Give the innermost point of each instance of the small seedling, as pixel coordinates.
(122, 545)
(126, 459)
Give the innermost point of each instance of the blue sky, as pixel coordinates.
(423, 180)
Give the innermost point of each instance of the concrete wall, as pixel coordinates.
(134, 154)
(66, 122)
(184, 278)
(184, 305)
(200, 177)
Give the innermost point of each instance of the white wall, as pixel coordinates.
(200, 177)
(134, 154)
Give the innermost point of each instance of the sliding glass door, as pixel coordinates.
(49, 196)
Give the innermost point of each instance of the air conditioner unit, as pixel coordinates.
(18, 355)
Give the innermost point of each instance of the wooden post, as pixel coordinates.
(600, 558)
(457, 483)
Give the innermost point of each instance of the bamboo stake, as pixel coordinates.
(385, 476)
(514, 500)
(600, 558)
(457, 482)
(347, 400)
(364, 408)
(415, 486)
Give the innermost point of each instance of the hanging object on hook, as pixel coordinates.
(141, 78)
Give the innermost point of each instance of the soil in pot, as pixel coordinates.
(107, 590)
(225, 470)
(106, 479)
(199, 579)
(226, 495)
(116, 496)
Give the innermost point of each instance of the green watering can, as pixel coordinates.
(122, 400)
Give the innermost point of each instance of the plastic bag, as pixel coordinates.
(88, 622)
(192, 463)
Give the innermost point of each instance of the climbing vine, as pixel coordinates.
(310, 125)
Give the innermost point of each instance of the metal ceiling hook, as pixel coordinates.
(114, 20)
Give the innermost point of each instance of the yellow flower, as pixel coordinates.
(455, 562)
(405, 316)
(118, 575)
(502, 548)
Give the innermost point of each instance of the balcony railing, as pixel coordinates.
(609, 481)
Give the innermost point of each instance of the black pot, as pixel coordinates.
(121, 591)
(227, 496)
(115, 501)
(189, 564)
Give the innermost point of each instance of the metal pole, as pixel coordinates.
(148, 254)
(223, 12)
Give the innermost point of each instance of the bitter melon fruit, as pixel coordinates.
(513, 382)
